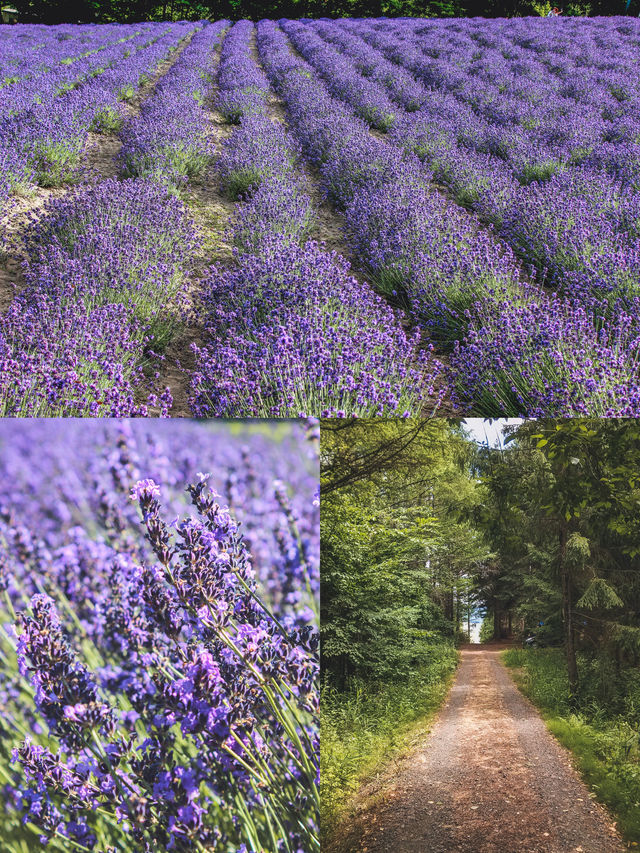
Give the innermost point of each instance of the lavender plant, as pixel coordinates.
(104, 290)
(288, 331)
(160, 681)
(170, 140)
(242, 87)
(291, 332)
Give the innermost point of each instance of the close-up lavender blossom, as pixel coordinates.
(159, 648)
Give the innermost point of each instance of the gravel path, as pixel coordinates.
(489, 779)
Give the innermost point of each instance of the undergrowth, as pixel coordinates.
(600, 725)
(364, 727)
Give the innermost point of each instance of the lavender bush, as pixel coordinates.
(104, 284)
(170, 140)
(159, 677)
(292, 332)
(242, 86)
(542, 356)
(289, 331)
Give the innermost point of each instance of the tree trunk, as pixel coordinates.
(456, 611)
(496, 621)
(565, 574)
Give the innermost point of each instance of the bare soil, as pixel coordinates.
(488, 779)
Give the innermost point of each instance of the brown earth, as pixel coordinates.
(488, 779)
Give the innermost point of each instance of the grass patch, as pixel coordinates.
(364, 728)
(602, 733)
(107, 120)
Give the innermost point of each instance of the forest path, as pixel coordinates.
(488, 779)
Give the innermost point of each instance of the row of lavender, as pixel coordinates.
(45, 122)
(518, 350)
(158, 678)
(30, 50)
(289, 331)
(107, 265)
(532, 156)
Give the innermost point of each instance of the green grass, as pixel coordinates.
(599, 725)
(362, 729)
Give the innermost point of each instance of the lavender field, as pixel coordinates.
(343, 218)
(158, 636)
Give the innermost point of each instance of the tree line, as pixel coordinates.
(105, 11)
(423, 528)
(400, 546)
(561, 516)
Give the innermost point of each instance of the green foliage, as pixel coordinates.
(486, 629)
(397, 551)
(362, 727)
(575, 482)
(599, 596)
(72, 11)
(578, 550)
(107, 120)
(56, 163)
(603, 730)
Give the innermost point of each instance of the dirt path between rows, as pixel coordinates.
(488, 779)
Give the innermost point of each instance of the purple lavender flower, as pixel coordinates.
(171, 681)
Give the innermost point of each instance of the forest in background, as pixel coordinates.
(422, 527)
(105, 11)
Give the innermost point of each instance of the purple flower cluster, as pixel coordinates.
(545, 357)
(517, 138)
(292, 332)
(170, 140)
(65, 693)
(343, 79)
(243, 86)
(105, 271)
(289, 331)
(259, 152)
(180, 694)
(46, 119)
(417, 246)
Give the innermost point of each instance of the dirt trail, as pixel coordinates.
(489, 779)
